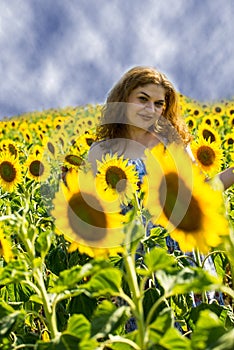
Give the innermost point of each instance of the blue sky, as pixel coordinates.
(57, 53)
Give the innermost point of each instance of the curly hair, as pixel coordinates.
(113, 118)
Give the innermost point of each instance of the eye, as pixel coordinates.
(143, 98)
(159, 104)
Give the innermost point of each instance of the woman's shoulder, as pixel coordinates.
(96, 151)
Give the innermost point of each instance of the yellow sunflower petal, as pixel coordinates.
(181, 201)
(85, 219)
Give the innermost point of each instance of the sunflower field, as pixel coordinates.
(78, 271)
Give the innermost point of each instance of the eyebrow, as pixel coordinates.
(144, 93)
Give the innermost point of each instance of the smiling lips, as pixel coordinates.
(145, 116)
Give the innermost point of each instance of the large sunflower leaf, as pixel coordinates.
(107, 318)
(157, 259)
(187, 280)
(208, 333)
(71, 277)
(172, 339)
(105, 282)
(76, 336)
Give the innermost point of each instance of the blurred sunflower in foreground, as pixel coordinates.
(91, 224)
(181, 201)
(208, 155)
(116, 179)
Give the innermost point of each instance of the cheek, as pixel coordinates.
(132, 110)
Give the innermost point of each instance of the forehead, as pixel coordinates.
(152, 90)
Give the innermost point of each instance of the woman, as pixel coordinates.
(142, 111)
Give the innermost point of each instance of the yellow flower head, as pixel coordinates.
(10, 171)
(115, 179)
(180, 200)
(38, 168)
(208, 133)
(208, 155)
(93, 226)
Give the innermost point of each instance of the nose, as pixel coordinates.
(149, 106)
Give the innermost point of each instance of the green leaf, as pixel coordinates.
(67, 279)
(107, 318)
(56, 260)
(36, 299)
(7, 322)
(105, 282)
(70, 278)
(156, 238)
(43, 243)
(224, 313)
(158, 328)
(151, 295)
(68, 342)
(82, 304)
(173, 340)
(208, 330)
(5, 309)
(79, 326)
(225, 342)
(158, 259)
(187, 280)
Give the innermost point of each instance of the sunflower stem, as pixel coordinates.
(200, 264)
(50, 316)
(137, 299)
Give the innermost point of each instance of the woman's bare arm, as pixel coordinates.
(227, 177)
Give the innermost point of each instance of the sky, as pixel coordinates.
(56, 53)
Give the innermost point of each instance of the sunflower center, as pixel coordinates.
(73, 159)
(208, 134)
(190, 123)
(206, 155)
(36, 168)
(116, 178)
(174, 197)
(51, 147)
(12, 149)
(218, 109)
(89, 141)
(7, 171)
(80, 213)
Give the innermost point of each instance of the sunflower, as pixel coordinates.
(9, 146)
(27, 135)
(229, 140)
(10, 171)
(181, 201)
(37, 167)
(191, 122)
(208, 133)
(218, 108)
(208, 120)
(5, 247)
(218, 121)
(116, 179)
(73, 158)
(92, 225)
(85, 140)
(208, 155)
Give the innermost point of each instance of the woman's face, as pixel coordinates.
(145, 106)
